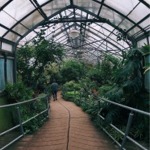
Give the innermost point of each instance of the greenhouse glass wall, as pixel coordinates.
(104, 26)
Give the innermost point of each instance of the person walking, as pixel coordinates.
(54, 88)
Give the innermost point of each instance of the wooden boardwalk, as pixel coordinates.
(68, 128)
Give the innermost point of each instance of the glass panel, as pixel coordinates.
(2, 76)
(99, 34)
(114, 42)
(105, 32)
(123, 6)
(88, 4)
(12, 37)
(19, 8)
(114, 17)
(29, 37)
(6, 19)
(111, 46)
(81, 13)
(99, 0)
(126, 24)
(20, 29)
(6, 47)
(139, 13)
(2, 2)
(122, 44)
(60, 38)
(142, 42)
(90, 16)
(134, 30)
(58, 31)
(54, 6)
(96, 45)
(94, 36)
(145, 23)
(49, 10)
(10, 70)
(147, 1)
(107, 26)
(2, 31)
(41, 1)
(64, 41)
(138, 34)
(32, 20)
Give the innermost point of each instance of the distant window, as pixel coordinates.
(6, 47)
(2, 74)
(10, 70)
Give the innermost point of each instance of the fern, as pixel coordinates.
(133, 86)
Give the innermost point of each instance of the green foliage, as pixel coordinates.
(104, 89)
(128, 90)
(72, 70)
(5, 116)
(95, 74)
(121, 82)
(110, 66)
(130, 77)
(17, 92)
(72, 95)
(71, 86)
(105, 70)
(115, 94)
(145, 49)
(117, 136)
(31, 109)
(129, 83)
(34, 61)
(70, 90)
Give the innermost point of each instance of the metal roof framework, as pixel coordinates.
(98, 21)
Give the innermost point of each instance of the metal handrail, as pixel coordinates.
(126, 107)
(130, 118)
(21, 123)
(20, 103)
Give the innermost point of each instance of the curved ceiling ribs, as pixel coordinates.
(98, 32)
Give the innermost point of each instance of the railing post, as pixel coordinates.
(74, 94)
(130, 118)
(20, 121)
(99, 105)
(48, 105)
(80, 97)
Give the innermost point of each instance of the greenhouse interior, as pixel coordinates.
(98, 54)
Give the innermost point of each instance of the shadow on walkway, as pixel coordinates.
(68, 128)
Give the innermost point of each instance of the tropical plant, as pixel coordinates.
(129, 90)
(72, 70)
(17, 92)
(33, 60)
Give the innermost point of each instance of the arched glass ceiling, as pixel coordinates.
(98, 21)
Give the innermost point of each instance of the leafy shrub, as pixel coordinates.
(34, 60)
(104, 89)
(17, 92)
(31, 109)
(71, 86)
(72, 70)
(72, 95)
(95, 74)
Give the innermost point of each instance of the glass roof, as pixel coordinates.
(98, 21)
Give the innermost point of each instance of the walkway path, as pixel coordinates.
(68, 128)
